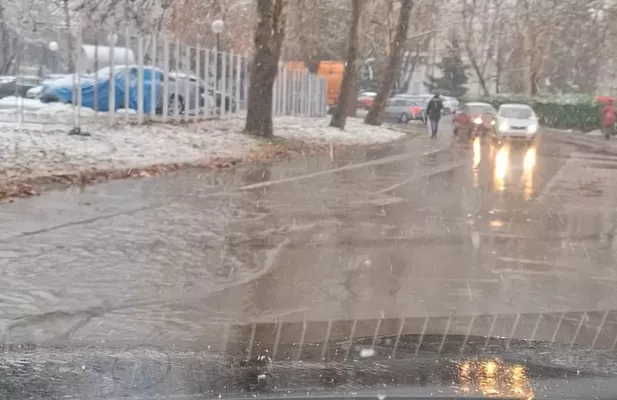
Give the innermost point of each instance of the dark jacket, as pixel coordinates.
(433, 110)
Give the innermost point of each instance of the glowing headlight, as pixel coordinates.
(503, 126)
(532, 128)
(493, 123)
(477, 121)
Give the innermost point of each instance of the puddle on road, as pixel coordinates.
(416, 235)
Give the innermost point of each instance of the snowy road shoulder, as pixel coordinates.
(33, 151)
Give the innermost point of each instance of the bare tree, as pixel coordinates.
(374, 115)
(269, 37)
(480, 34)
(339, 114)
(69, 35)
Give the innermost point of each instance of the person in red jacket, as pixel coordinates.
(609, 113)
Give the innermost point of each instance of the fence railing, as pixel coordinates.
(110, 77)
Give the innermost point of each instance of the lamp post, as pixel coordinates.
(53, 47)
(217, 27)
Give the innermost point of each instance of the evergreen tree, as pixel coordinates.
(453, 73)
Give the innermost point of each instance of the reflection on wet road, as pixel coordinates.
(416, 229)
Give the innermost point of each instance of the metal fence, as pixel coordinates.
(88, 75)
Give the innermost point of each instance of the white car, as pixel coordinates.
(450, 104)
(517, 121)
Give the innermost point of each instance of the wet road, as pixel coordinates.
(420, 228)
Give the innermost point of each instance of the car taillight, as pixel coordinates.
(415, 109)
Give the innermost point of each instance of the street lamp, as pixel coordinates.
(53, 47)
(217, 27)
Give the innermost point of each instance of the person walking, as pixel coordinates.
(433, 114)
(609, 113)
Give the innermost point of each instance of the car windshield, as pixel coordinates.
(481, 109)
(516, 112)
(242, 225)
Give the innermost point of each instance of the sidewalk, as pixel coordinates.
(40, 154)
(591, 140)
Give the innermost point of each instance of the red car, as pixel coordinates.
(475, 119)
(365, 100)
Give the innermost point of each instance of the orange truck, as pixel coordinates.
(331, 71)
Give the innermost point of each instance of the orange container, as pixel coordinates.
(332, 72)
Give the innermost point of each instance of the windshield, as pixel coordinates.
(237, 223)
(481, 109)
(516, 112)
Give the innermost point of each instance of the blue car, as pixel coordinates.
(61, 90)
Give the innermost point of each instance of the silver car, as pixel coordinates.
(517, 121)
(404, 109)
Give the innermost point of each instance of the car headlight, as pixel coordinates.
(503, 126)
(493, 123)
(532, 128)
(477, 121)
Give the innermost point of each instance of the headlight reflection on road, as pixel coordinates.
(477, 157)
(529, 164)
(477, 152)
(501, 167)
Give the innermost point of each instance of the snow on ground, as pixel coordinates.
(31, 150)
(316, 130)
(11, 102)
(595, 132)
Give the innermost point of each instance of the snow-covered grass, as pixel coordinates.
(317, 130)
(34, 150)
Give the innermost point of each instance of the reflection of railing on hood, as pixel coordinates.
(340, 355)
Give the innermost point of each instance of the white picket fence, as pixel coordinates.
(124, 77)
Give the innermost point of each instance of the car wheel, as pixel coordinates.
(404, 118)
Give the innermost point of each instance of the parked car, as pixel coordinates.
(403, 109)
(421, 100)
(517, 121)
(37, 91)
(17, 85)
(365, 100)
(215, 96)
(61, 90)
(450, 105)
(475, 119)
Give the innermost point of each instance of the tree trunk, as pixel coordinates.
(528, 59)
(374, 115)
(352, 100)
(339, 114)
(498, 69)
(269, 37)
(476, 67)
(69, 37)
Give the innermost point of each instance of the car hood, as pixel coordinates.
(367, 367)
